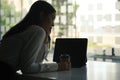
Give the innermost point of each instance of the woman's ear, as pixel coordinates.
(41, 16)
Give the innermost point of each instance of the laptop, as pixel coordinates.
(75, 47)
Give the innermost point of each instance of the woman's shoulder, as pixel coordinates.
(36, 27)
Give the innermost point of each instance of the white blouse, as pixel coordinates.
(26, 51)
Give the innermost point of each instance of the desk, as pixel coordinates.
(94, 70)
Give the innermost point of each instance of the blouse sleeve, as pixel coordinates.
(31, 51)
(34, 38)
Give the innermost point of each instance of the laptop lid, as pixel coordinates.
(75, 47)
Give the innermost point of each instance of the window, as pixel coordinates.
(97, 20)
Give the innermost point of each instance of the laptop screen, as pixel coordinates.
(75, 47)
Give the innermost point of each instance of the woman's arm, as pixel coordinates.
(35, 37)
(34, 49)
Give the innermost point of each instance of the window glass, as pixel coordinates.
(97, 20)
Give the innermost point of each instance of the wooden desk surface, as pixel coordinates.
(94, 70)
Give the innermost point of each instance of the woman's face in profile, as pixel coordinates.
(48, 23)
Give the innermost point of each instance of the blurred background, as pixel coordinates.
(97, 20)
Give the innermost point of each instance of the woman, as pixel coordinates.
(24, 46)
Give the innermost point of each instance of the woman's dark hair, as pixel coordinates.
(32, 17)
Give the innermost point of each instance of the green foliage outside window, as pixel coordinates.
(8, 12)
